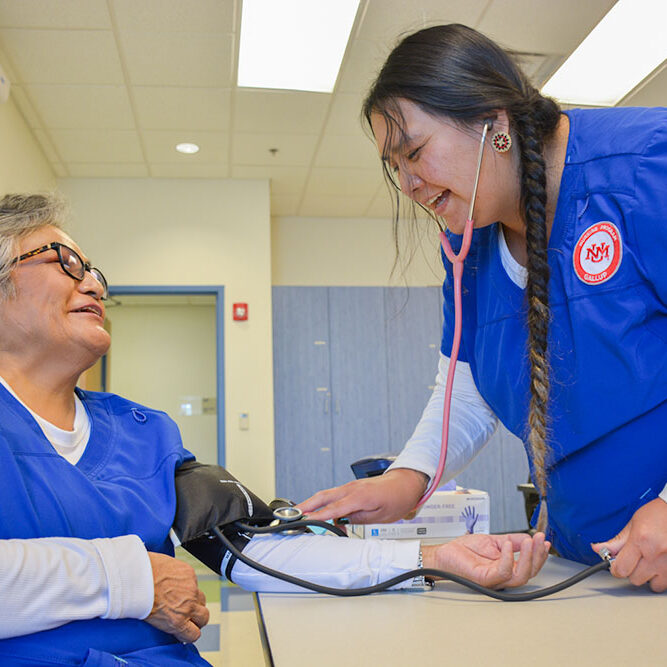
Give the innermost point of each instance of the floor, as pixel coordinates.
(231, 637)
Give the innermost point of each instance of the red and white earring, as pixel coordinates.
(501, 141)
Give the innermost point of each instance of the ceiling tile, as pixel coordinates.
(387, 23)
(284, 205)
(107, 170)
(72, 14)
(345, 116)
(175, 15)
(46, 145)
(194, 170)
(542, 26)
(160, 146)
(334, 206)
(329, 181)
(178, 59)
(285, 181)
(97, 146)
(6, 65)
(652, 94)
(25, 106)
(293, 149)
(293, 112)
(63, 56)
(161, 108)
(363, 61)
(342, 151)
(59, 170)
(82, 107)
(539, 68)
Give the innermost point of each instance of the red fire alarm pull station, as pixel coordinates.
(240, 311)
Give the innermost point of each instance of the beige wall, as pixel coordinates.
(197, 232)
(145, 341)
(23, 167)
(352, 251)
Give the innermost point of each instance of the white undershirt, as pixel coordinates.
(69, 444)
(517, 273)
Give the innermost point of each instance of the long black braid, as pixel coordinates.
(533, 201)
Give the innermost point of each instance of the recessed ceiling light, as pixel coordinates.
(622, 50)
(294, 44)
(187, 148)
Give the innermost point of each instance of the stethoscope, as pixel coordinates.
(457, 271)
(289, 520)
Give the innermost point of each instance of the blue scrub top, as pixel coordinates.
(123, 484)
(608, 332)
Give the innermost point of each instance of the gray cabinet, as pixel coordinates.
(304, 459)
(353, 370)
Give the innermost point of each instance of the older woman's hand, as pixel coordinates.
(489, 559)
(179, 607)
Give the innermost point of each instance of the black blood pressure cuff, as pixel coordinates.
(207, 496)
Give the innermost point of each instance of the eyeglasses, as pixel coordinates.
(71, 263)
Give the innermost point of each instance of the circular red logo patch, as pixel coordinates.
(598, 253)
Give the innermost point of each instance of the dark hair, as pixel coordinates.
(456, 72)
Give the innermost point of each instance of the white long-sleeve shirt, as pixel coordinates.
(471, 424)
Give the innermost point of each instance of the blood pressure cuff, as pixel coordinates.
(207, 496)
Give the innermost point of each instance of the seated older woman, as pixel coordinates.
(87, 486)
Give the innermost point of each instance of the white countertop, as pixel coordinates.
(600, 621)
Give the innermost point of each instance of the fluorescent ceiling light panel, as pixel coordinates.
(623, 49)
(294, 44)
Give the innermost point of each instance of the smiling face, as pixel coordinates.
(52, 318)
(434, 160)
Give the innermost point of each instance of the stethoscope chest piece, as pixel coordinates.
(287, 514)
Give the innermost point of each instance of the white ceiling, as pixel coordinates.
(108, 88)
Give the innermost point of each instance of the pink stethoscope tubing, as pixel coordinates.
(457, 270)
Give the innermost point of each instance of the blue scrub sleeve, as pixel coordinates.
(649, 216)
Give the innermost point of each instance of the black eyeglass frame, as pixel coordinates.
(85, 266)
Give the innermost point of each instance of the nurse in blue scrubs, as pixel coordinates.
(564, 328)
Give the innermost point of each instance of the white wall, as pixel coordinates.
(23, 167)
(197, 232)
(352, 251)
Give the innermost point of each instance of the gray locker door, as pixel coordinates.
(304, 460)
(358, 376)
(413, 331)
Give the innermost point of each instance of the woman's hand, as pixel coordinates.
(489, 559)
(179, 606)
(640, 549)
(382, 499)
